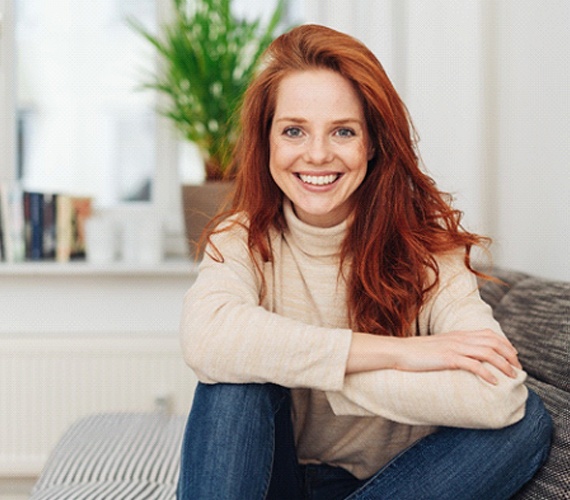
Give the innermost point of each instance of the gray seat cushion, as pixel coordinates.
(535, 315)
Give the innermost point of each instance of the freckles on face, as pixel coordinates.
(318, 145)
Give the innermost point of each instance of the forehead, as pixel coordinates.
(320, 90)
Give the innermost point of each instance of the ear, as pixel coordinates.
(371, 152)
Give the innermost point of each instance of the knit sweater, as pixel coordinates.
(298, 337)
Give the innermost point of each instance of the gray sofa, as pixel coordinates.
(535, 315)
(134, 456)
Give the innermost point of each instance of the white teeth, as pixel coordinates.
(318, 180)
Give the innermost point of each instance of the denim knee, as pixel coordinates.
(228, 446)
(225, 399)
(538, 426)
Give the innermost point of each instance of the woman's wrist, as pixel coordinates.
(371, 352)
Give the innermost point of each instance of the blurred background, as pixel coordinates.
(486, 83)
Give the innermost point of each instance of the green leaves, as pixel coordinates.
(208, 58)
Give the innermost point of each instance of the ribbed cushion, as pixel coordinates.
(115, 456)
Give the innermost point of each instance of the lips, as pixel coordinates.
(318, 180)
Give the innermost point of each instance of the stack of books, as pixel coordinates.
(36, 226)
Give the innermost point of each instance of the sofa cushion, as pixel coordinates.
(127, 456)
(493, 292)
(535, 315)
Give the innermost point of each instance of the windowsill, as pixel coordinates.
(79, 298)
(166, 268)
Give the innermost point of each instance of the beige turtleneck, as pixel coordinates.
(299, 338)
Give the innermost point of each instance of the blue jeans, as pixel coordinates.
(239, 445)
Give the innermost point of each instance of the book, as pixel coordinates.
(81, 207)
(49, 223)
(12, 220)
(41, 226)
(63, 228)
(34, 225)
(71, 212)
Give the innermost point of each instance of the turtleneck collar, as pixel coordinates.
(312, 240)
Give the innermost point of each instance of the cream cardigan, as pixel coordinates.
(299, 338)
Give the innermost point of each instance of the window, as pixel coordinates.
(82, 123)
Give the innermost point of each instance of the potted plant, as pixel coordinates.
(208, 56)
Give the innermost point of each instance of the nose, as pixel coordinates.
(318, 151)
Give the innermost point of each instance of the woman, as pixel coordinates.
(335, 325)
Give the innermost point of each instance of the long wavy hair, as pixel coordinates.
(401, 220)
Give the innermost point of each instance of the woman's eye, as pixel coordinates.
(345, 132)
(293, 132)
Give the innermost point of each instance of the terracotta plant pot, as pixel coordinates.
(200, 203)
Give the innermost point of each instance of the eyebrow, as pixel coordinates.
(340, 121)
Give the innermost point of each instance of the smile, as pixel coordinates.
(318, 180)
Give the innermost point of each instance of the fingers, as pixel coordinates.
(474, 362)
(504, 348)
(479, 369)
(486, 346)
(471, 351)
(496, 360)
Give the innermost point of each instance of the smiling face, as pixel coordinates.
(318, 145)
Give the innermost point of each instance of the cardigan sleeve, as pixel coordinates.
(227, 336)
(455, 398)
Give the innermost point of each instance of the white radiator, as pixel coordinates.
(48, 383)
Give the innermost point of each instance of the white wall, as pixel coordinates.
(487, 85)
(372, 22)
(7, 121)
(533, 94)
(444, 93)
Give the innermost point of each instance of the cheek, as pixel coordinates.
(360, 167)
(360, 159)
(279, 156)
(273, 153)
(275, 164)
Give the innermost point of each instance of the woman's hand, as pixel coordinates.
(462, 350)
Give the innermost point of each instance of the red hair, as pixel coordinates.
(401, 219)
